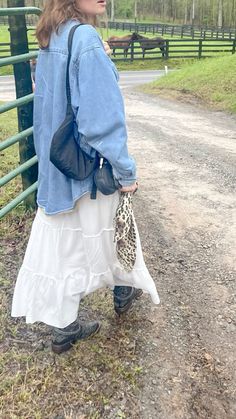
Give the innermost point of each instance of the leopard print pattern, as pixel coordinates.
(125, 234)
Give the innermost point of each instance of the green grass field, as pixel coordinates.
(213, 81)
(138, 63)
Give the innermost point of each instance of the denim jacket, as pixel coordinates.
(98, 106)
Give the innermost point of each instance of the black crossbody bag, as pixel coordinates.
(65, 152)
(67, 155)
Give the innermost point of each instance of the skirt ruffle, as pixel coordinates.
(68, 256)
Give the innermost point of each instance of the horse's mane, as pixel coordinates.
(119, 37)
(158, 38)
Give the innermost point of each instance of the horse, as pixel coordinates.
(150, 43)
(123, 42)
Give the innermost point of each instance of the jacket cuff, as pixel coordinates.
(127, 182)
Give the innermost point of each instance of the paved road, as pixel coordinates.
(7, 88)
(127, 79)
(132, 78)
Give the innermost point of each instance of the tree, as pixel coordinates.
(220, 13)
(112, 10)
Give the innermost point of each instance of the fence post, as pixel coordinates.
(132, 51)
(192, 32)
(23, 83)
(200, 49)
(234, 46)
(167, 49)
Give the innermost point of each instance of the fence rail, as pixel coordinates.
(150, 49)
(184, 31)
(19, 58)
(33, 46)
(174, 48)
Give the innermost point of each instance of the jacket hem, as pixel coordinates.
(41, 205)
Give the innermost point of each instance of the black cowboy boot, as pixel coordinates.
(124, 297)
(63, 339)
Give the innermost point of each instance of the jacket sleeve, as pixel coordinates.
(101, 116)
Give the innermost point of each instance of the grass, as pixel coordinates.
(152, 65)
(212, 80)
(93, 378)
(136, 65)
(9, 157)
(97, 376)
(4, 38)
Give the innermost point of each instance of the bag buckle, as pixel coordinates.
(101, 162)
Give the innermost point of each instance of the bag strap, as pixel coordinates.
(70, 40)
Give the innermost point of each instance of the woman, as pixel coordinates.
(71, 251)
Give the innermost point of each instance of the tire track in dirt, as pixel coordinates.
(186, 213)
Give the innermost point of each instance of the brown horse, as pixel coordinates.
(122, 42)
(150, 43)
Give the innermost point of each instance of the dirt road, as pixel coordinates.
(172, 361)
(186, 212)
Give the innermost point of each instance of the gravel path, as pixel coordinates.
(172, 361)
(186, 213)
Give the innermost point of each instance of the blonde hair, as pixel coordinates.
(56, 12)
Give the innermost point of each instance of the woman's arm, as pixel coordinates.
(101, 116)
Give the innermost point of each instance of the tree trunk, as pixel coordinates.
(112, 11)
(186, 12)
(220, 13)
(193, 12)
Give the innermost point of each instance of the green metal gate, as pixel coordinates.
(19, 58)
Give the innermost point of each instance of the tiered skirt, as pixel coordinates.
(68, 256)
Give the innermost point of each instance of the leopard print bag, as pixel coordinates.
(125, 234)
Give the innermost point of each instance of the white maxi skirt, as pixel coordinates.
(69, 255)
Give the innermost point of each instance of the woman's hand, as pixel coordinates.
(107, 48)
(131, 188)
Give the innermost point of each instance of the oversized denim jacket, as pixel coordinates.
(99, 112)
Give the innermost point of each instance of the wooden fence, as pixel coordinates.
(184, 31)
(6, 52)
(173, 49)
